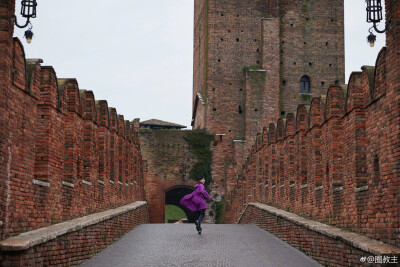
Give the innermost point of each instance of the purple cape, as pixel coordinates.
(197, 199)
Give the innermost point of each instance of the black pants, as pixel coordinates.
(200, 215)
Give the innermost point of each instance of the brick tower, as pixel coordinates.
(255, 60)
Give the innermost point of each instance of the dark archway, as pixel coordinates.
(174, 196)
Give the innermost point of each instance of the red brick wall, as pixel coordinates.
(73, 248)
(311, 32)
(326, 250)
(57, 159)
(198, 115)
(168, 163)
(232, 28)
(6, 48)
(285, 40)
(339, 168)
(391, 148)
(200, 50)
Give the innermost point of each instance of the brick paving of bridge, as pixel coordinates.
(219, 245)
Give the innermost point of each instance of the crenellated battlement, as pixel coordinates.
(69, 154)
(329, 161)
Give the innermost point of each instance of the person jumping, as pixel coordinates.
(196, 202)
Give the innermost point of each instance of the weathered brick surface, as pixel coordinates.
(168, 163)
(6, 47)
(200, 44)
(63, 154)
(331, 247)
(249, 57)
(344, 176)
(337, 162)
(311, 32)
(73, 248)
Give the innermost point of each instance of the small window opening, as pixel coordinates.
(258, 61)
(309, 63)
(283, 112)
(255, 40)
(219, 60)
(213, 89)
(332, 20)
(330, 65)
(229, 30)
(376, 164)
(305, 85)
(240, 89)
(294, 63)
(237, 39)
(237, 15)
(222, 15)
(305, 43)
(322, 83)
(258, 50)
(291, 25)
(222, 39)
(307, 19)
(256, 110)
(214, 109)
(337, 82)
(284, 82)
(240, 110)
(327, 44)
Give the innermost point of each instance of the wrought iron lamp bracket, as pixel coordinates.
(379, 31)
(20, 26)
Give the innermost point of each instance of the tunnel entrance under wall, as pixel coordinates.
(174, 195)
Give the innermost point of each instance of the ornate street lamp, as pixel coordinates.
(28, 11)
(374, 15)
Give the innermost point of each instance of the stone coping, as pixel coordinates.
(33, 238)
(356, 240)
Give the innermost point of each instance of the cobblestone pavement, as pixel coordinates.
(219, 245)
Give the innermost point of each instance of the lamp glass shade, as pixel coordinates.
(28, 8)
(371, 39)
(28, 36)
(374, 11)
(371, 43)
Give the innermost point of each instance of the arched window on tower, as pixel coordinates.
(305, 87)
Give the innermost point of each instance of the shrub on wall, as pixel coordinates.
(219, 211)
(199, 143)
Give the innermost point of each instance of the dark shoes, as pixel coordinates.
(198, 228)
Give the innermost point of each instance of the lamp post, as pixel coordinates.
(374, 15)
(28, 11)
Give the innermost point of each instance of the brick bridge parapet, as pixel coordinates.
(63, 154)
(336, 161)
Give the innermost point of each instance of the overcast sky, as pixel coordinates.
(138, 55)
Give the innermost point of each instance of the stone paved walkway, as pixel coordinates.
(219, 245)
